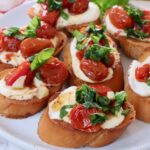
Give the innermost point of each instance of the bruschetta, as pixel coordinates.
(17, 44)
(131, 28)
(85, 116)
(69, 15)
(92, 58)
(25, 90)
(137, 87)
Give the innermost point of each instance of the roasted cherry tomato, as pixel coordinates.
(67, 4)
(46, 31)
(146, 26)
(80, 119)
(31, 46)
(142, 73)
(79, 6)
(96, 71)
(111, 60)
(80, 54)
(22, 70)
(100, 89)
(50, 17)
(53, 71)
(10, 43)
(120, 18)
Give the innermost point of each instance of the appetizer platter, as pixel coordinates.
(72, 81)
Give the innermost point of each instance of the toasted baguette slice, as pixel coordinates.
(62, 134)
(116, 83)
(71, 28)
(5, 66)
(141, 104)
(21, 109)
(134, 48)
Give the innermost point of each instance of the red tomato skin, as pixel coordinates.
(142, 73)
(22, 70)
(146, 16)
(46, 31)
(120, 18)
(79, 6)
(10, 43)
(50, 17)
(53, 72)
(31, 46)
(101, 89)
(80, 54)
(80, 119)
(66, 4)
(96, 71)
(111, 60)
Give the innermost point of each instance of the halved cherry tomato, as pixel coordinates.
(80, 119)
(66, 4)
(120, 18)
(142, 73)
(22, 70)
(79, 6)
(80, 54)
(100, 89)
(50, 17)
(8, 56)
(53, 71)
(96, 71)
(10, 43)
(46, 31)
(31, 46)
(146, 27)
(111, 60)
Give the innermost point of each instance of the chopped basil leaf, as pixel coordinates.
(125, 112)
(11, 31)
(40, 1)
(71, 1)
(20, 36)
(64, 14)
(54, 4)
(98, 53)
(32, 27)
(148, 82)
(41, 58)
(97, 118)
(79, 36)
(136, 14)
(120, 97)
(136, 33)
(63, 111)
(38, 76)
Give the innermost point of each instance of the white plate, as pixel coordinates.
(23, 132)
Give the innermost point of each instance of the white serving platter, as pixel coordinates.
(23, 132)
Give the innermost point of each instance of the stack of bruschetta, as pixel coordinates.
(91, 109)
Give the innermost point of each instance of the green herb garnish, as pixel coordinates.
(63, 111)
(11, 31)
(97, 118)
(41, 58)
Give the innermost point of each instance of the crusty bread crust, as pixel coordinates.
(61, 42)
(21, 109)
(141, 104)
(68, 28)
(116, 83)
(133, 48)
(5, 66)
(62, 134)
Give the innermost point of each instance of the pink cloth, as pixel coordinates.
(6, 5)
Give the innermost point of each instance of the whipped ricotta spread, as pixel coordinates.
(18, 92)
(76, 63)
(140, 88)
(67, 97)
(15, 59)
(91, 14)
